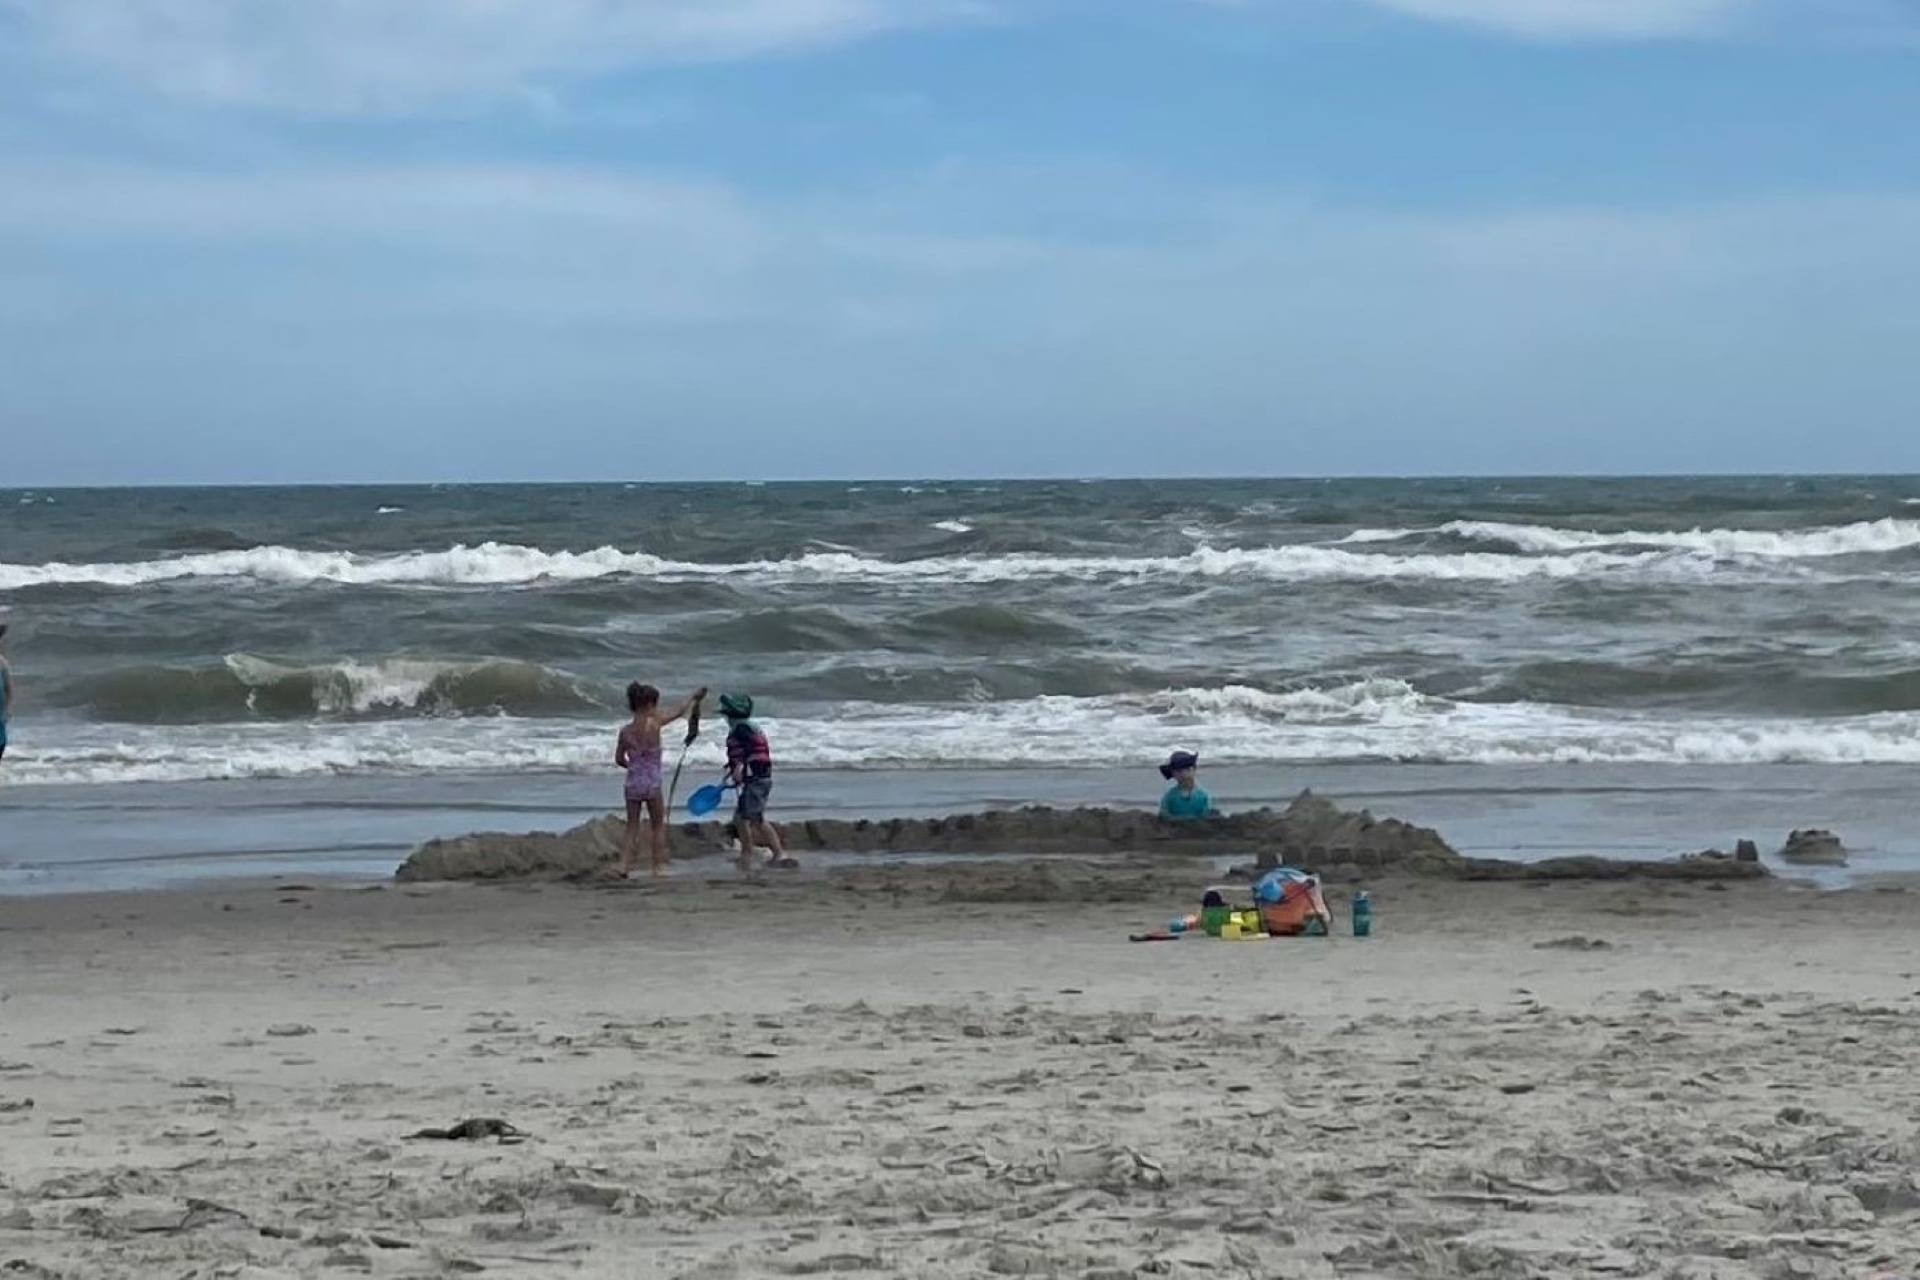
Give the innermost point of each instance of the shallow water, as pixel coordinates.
(63, 839)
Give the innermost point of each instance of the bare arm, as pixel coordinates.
(679, 712)
(620, 750)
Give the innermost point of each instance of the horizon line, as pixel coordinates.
(794, 482)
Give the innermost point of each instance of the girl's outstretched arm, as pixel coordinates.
(692, 701)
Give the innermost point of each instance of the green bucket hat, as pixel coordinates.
(736, 706)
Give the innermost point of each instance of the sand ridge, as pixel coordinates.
(1311, 831)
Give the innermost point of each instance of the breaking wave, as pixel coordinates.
(1864, 537)
(1357, 721)
(507, 565)
(243, 686)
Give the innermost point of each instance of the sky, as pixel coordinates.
(386, 240)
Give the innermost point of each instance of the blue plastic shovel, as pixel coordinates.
(707, 799)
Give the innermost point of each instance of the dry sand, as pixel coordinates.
(926, 1073)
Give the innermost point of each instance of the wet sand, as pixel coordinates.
(958, 1072)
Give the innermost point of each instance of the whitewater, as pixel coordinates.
(1366, 722)
(167, 637)
(1542, 553)
(1866, 537)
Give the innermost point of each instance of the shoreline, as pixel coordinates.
(720, 870)
(151, 835)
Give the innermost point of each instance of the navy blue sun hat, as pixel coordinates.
(1179, 761)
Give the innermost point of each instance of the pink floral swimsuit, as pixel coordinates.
(643, 773)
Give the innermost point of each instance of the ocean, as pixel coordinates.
(189, 657)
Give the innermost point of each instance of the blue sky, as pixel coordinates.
(330, 240)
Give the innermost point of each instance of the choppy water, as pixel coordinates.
(176, 635)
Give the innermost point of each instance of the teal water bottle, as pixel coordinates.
(1362, 914)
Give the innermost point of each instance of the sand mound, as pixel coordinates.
(1814, 848)
(1711, 865)
(1342, 844)
(1309, 832)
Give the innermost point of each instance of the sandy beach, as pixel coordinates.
(958, 1071)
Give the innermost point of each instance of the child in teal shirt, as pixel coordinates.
(1185, 798)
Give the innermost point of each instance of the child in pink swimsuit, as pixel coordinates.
(637, 750)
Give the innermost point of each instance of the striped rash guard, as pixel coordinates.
(747, 745)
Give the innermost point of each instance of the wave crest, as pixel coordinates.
(1291, 730)
(1863, 537)
(508, 565)
(244, 687)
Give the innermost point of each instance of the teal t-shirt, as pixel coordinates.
(1185, 804)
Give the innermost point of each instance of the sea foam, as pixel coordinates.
(1864, 537)
(507, 564)
(1363, 720)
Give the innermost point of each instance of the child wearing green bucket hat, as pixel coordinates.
(750, 769)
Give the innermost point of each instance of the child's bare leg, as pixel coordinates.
(769, 835)
(657, 835)
(630, 842)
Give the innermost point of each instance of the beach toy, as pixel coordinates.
(707, 799)
(1362, 914)
(1212, 918)
(1229, 932)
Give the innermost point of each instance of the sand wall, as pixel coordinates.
(1341, 844)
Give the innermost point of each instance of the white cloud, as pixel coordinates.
(506, 242)
(948, 222)
(431, 302)
(1873, 22)
(371, 56)
(1584, 19)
